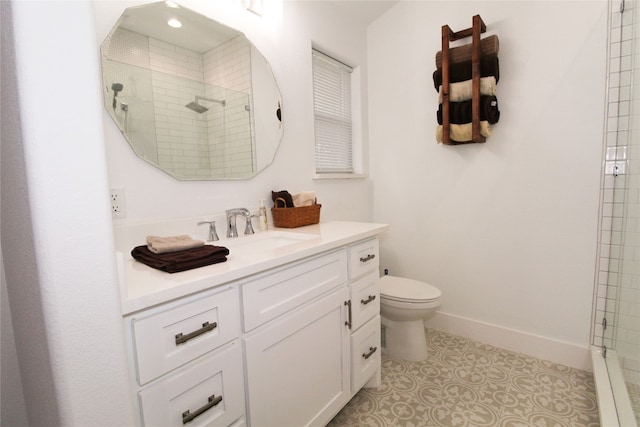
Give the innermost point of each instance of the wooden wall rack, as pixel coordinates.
(447, 37)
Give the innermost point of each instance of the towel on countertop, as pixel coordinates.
(173, 262)
(304, 198)
(161, 245)
(460, 112)
(285, 196)
(489, 66)
(462, 91)
(463, 133)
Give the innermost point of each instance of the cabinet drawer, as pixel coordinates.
(363, 258)
(365, 299)
(204, 323)
(365, 353)
(270, 295)
(211, 390)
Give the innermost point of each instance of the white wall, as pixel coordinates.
(286, 43)
(56, 230)
(506, 229)
(57, 242)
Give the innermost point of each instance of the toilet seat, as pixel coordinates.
(403, 290)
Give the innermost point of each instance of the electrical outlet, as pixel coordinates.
(118, 204)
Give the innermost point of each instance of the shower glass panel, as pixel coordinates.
(620, 222)
(154, 110)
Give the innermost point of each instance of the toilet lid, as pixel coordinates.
(402, 289)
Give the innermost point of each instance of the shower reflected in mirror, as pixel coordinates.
(150, 73)
(116, 88)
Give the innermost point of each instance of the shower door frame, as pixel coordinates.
(614, 323)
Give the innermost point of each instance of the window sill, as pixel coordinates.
(339, 176)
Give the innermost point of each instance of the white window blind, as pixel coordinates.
(332, 110)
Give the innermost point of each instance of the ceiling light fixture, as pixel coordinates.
(173, 22)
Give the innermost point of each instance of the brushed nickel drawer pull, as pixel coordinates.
(370, 353)
(206, 327)
(187, 416)
(367, 258)
(348, 322)
(368, 300)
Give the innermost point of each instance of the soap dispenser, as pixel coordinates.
(263, 216)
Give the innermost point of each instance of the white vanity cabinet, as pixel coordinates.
(281, 338)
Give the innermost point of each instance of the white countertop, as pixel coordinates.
(143, 287)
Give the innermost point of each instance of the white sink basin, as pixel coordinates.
(263, 241)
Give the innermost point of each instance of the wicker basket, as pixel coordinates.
(295, 217)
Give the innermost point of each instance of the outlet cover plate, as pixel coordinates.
(118, 203)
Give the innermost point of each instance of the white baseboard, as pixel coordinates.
(564, 353)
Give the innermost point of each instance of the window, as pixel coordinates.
(332, 112)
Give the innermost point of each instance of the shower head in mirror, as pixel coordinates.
(116, 88)
(197, 107)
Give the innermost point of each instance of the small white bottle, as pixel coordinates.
(263, 216)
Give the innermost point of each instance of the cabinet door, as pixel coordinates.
(208, 393)
(298, 366)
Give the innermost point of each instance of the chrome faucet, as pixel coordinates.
(232, 229)
(213, 236)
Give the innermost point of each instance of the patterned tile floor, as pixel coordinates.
(467, 383)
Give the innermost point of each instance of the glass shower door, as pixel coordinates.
(622, 171)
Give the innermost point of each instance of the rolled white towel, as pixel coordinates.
(464, 132)
(304, 198)
(462, 91)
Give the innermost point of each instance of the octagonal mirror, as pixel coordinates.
(191, 96)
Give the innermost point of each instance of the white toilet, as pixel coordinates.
(404, 305)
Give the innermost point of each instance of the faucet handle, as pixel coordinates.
(213, 235)
(249, 227)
